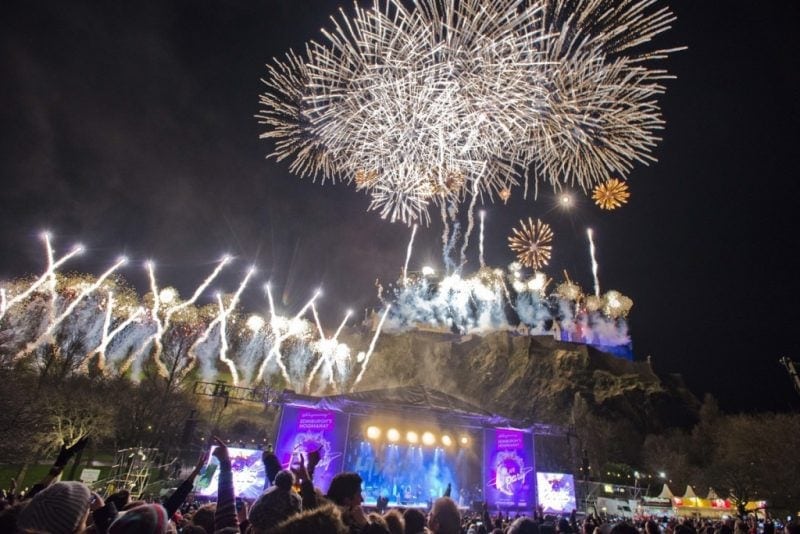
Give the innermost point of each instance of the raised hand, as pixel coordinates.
(221, 450)
(313, 459)
(299, 469)
(201, 461)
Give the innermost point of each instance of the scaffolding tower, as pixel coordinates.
(131, 470)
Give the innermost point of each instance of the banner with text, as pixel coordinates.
(304, 430)
(508, 467)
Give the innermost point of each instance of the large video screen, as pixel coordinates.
(556, 492)
(248, 474)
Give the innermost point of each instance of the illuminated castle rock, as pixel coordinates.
(536, 378)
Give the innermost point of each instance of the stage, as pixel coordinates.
(410, 444)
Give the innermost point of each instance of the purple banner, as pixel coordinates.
(304, 430)
(508, 467)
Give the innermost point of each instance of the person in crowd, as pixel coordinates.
(60, 507)
(444, 517)
(624, 528)
(325, 519)
(523, 525)
(414, 521)
(376, 524)
(149, 518)
(276, 504)
(203, 517)
(345, 492)
(395, 522)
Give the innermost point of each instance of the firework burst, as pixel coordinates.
(453, 98)
(611, 194)
(531, 242)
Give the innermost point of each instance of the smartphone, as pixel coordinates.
(239, 504)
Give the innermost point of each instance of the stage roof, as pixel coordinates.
(411, 401)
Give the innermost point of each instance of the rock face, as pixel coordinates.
(533, 378)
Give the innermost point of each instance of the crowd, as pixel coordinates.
(291, 504)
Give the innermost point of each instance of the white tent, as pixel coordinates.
(665, 493)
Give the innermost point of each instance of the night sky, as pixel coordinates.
(129, 127)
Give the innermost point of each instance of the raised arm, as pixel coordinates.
(178, 496)
(225, 516)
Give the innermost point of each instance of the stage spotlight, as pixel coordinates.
(412, 436)
(428, 439)
(447, 440)
(373, 432)
(464, 440)
(393, 434)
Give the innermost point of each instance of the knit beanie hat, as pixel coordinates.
(56, 509)
(143, 519)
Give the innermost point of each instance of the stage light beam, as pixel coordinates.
(373, 432)
(393, 435)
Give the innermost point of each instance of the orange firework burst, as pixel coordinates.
(531, 242)
(611, 195)
(365, 179)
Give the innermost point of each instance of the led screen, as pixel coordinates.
(556, 492)
(248, 474)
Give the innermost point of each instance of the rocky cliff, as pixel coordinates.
(533, 378)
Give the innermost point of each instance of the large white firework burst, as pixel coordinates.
(456, 98)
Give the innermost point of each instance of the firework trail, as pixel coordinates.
(480, 243)
(108, 337)
(162, 326)
(223, 341)
(368, 355)
(48, 276)
(70, 308)
(282, 332)
(222, 319)
(470, 226)
(51, 283)
(594, 262)
(408, 253)
(329, 350)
